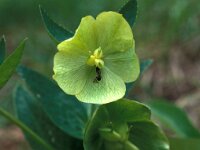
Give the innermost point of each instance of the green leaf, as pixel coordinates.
(65, 111)
(148, 136)
(26, 129)
(123, 125)
(30, 112)
(184, 144)
(144, 65)
(2, 49)
(55, 31)
(8, 67)
(129, 11)
(7, 105)
(175, 118)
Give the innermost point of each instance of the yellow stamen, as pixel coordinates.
(96, 58)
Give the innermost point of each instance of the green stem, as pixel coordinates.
(129, 145)
(25, 128)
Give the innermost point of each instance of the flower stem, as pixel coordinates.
(32, 134)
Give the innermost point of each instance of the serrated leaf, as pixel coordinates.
(30, 112)
(129, 11)
(8, 67)
(65, 111)
(2, 49)
(56, 32)
(123, 125)
(174, 117)
(144, 65)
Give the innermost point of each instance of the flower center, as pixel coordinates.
(96, 58)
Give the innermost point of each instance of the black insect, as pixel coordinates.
(98, 75)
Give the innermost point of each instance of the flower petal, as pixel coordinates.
(86, 33)
(74, 46)
(70, 72)
(124, 64)
(114, 33)
(108, 89)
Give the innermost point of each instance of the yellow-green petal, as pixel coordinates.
(110, 88)
(86, 33)
(105, 43)
(124, 64)
(113, 32)
(73, 46)
(70, 72)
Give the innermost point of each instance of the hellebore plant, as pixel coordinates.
(95, 64)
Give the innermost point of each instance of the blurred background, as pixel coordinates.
(166, 31)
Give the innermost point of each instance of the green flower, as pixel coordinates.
(94, 64)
